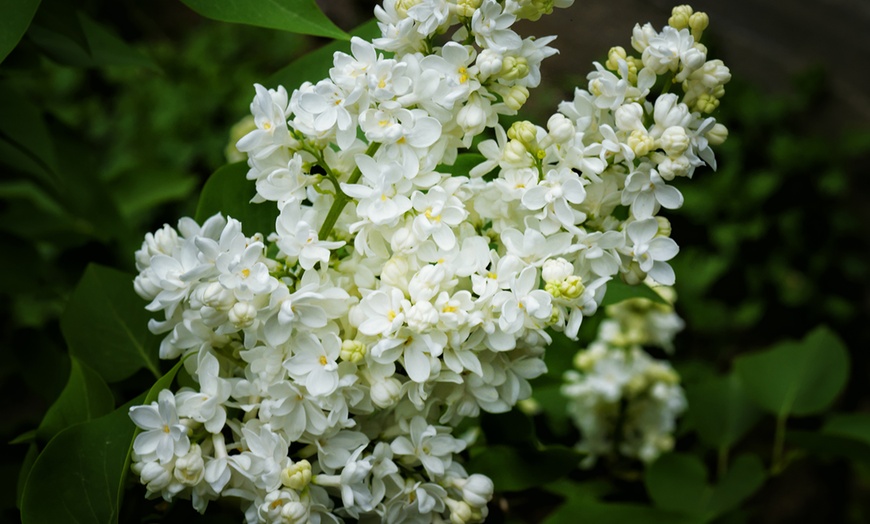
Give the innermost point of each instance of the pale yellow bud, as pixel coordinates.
(614, 56)
(697, 23)
(352, 350)
(516, 97)
(717, 135)
(523, 131)
(636, 385)
(640, 142)
(466, 8)
(402, 6)
(680, 16)
(514, 67)
(664, 227)
(584, 360)
(706, 103)
(297, 476)
(515, 153)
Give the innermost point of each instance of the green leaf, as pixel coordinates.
(82, 469)
(520, 468)
(464, 163)
(745, 476)
(575, 511)
(15, 17)
(140, 191)
(101, 47)
(23, 126)
(678, 483)
(105, 325)
(855, 426)
(24, 472)
(229, 192)
(796, 378)
(315, 65)
(720, 411)
(294, 16)
(618, 291)
(85, 397)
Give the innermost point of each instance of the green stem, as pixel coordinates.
(341, 199)
(668, 84)
(777, 465)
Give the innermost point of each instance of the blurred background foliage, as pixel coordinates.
(114, 114)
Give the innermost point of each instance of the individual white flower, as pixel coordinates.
(314, 362)
(424, 443)
(163, 436)
(651, 252)
(554, 196)
(523, 303)
(645, 191)
(297, 238)
(206, 405)
(438, 212)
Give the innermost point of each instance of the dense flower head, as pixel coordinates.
(399, 293)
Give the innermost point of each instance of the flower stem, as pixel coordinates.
(777, 465)
(341, 199)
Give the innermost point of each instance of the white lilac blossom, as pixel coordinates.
(621, 399)
(332, 357)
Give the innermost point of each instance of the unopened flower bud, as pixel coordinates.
(396, 272)
(404, 241)
(698, 22)
(352, 350)
(706, 103)
(561, 128)
(489, 62)
(297, 475)
(190, 468)
(472, 117)
(402, 6)
(460, 511)
(386, 392)
(242, 314)
(218, 297)
(640, 142)
(717, 135)
(664, 227)
(674, 141)
(515, 153)
(514, 68)
(680, 16)
(556, 269)
(516, 97)
(155, 476)
(523, 131)
(477, 490)
(614, 56)
(466, 8)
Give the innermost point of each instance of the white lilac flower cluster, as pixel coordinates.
(621, 399)
(332, 357)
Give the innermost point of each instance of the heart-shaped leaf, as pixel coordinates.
(796, 378)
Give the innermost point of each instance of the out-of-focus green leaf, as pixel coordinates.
(82, 468)
(745, 476)
(720, 411)
(143, 190)
(796, 378)
(84, 398)
(15, 17)
(103, 47)
(830, 446)
(228, 192)
(581, 510)
(295, 16)
(21, 123)
(106, 325)
(678, 483)
(315, 65)
(519, 468)
(618, 291)
(24, 472)
(851, 425)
